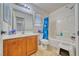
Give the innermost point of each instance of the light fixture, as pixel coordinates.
(28, 7)
(25, 5)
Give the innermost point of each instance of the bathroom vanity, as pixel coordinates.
(20, 45)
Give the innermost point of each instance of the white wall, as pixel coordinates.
(62, 20)
(52, 26)
(29, 22)
(77, 28)
(1, 41)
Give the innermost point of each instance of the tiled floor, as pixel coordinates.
(50, 51)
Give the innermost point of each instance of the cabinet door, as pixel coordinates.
(31, 45)
(24, 47)
(19, 46)
(12, 48)
(5, 48)
(9, 48)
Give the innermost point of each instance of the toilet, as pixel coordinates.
(44, 43)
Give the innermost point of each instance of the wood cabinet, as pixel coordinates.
(23, 46)
(10, 47)
(31, 45)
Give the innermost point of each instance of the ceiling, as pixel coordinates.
(48, 7)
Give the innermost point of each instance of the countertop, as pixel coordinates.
(17, 35)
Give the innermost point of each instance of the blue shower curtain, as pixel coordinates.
(45, 28)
